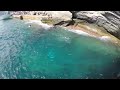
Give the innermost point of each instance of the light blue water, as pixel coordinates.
(30, 53)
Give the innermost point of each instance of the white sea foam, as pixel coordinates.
(80, 32)
(45, 26)
(105, 38)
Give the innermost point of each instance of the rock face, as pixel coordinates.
(62, 15)
(109, 20)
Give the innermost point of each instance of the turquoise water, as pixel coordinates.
(30, 53)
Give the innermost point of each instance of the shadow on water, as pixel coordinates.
(111, 71)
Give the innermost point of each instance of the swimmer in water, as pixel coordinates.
(29, 25)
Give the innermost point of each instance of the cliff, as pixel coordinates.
(109, 20)
(106, 21)
(60, 15)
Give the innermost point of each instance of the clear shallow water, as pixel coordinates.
(28, 53)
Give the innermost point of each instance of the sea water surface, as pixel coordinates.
(34, 52)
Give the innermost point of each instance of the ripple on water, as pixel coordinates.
(55, 53)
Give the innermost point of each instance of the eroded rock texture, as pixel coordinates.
(109, 20)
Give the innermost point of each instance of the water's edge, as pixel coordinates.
(43, 51)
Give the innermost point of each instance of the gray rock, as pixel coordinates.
(110, 20)
(21, 17)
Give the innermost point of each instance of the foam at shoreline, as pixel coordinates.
(43, 25)
(80, 32)
(103, 38)
(46, 26)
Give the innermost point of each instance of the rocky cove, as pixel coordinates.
(56, 45)
(98, 24)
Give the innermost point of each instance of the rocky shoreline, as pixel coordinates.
(84, 21)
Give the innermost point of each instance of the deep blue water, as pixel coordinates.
(32, 52)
